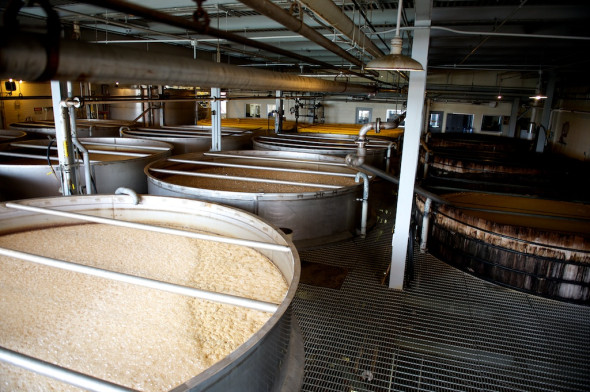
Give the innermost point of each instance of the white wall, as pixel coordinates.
(478, 111)
(26, 109)
(570, 129)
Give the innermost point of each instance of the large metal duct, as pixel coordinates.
(25, 57)
(331, 13)
(275, 12)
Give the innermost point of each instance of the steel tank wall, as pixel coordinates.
(321, 216)
(533, 245)
(187, 139)
(84, 128)
(377, 153)
(175, 113)
(35, 179)
(7, 135)
(272, 359)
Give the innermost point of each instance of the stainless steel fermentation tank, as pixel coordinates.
(315, 214)
(378, 151)
(272, 359)
(7, 135)
(114, 162)
(193, 138)
(84, 127)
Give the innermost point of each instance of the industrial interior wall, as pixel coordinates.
(570, 129)
(341, 111)
(491, 108)
(18, 110)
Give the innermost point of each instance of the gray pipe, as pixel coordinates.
(365, 201)
(143, 282)
(247, 179)
(425, 225)
(331, 13)
(71, 104)
(157, 229)
(359, 158)
(59, 373)
(24, 57)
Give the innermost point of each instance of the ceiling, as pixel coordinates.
(527, 36)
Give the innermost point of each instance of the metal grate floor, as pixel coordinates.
(449, 331)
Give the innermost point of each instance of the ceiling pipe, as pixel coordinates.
(275, 12)
(331, 13)
(172, 20)
(24, 56)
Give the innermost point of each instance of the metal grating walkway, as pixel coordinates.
(448, 331)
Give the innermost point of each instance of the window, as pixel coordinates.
(363, 115)
(270, 109)
(252, 110)
(392, 114)
(491, 124)
(435, 122)
(461, 123)
(223, 105)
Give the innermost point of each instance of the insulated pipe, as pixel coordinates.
(187, 24)
(24, 57)
(365, 201)
(278, 14)
(425, 225)
(331, 13)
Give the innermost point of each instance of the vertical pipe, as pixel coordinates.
(216, 119)
(410, 152)
(279, 112)
(365, 201)
(425, 225)
(76, 142)
(162, 107)
(63, 139)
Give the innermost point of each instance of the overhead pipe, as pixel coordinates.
(331, 13)
(23, 56)
(275, 12)
(188, 24)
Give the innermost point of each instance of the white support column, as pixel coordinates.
(216, 119)
(545, 117)
(409, 163)
(279, 113)
(513, 117)
(63, 139)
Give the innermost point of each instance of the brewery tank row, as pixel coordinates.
(272, 184)
(248, 195)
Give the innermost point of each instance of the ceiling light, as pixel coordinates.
(538, 97)
(395, 61)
